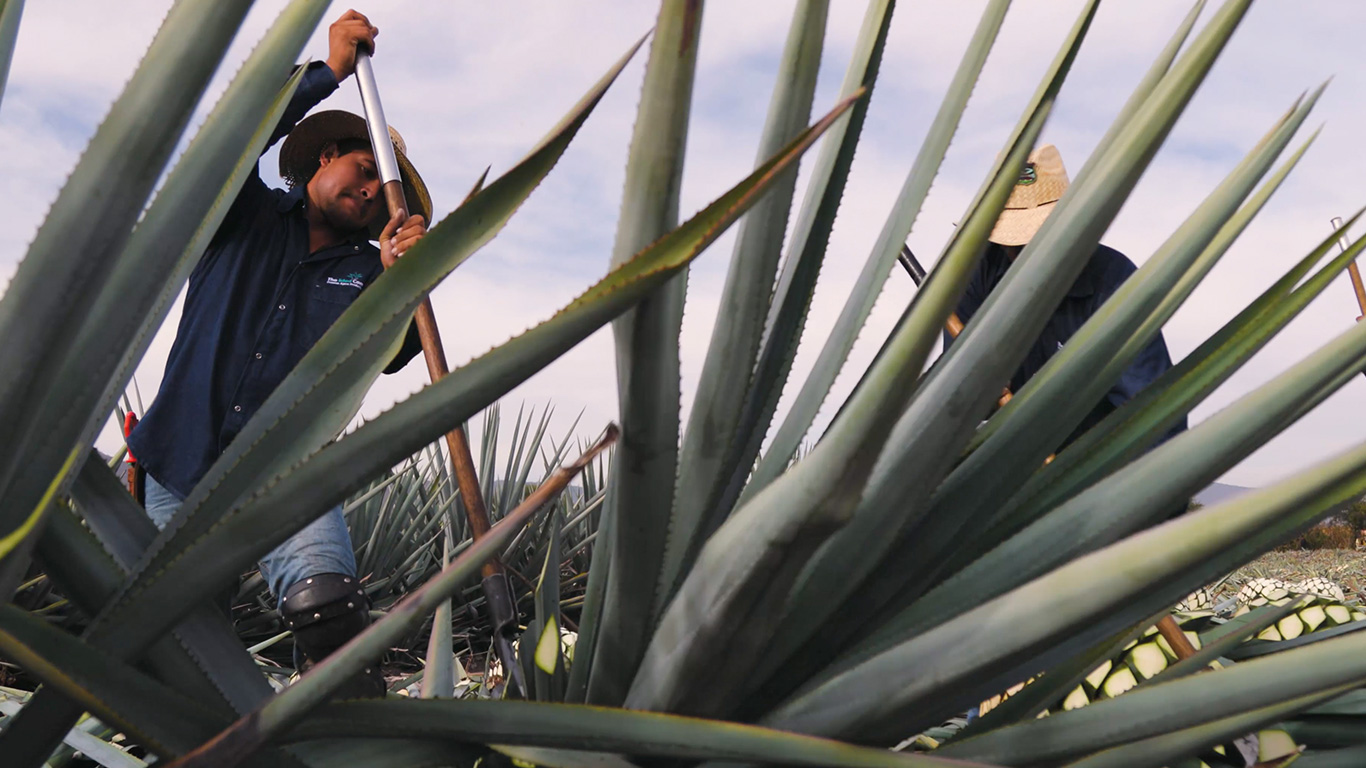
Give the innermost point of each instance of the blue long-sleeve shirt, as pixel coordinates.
(257, 301)
(1099, 279)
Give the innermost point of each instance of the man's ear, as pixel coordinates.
(328, 154)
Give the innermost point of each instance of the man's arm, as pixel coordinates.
(319, 81)
(317, 84)
(1150, 363)
(322, 78)
(971, 300)
(412, 347)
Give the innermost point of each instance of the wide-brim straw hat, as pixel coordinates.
(1036, 194)
(300, 152)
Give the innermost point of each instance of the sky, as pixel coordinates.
(477, 84)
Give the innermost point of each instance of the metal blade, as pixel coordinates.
(503, 613)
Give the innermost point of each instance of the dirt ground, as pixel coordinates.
(1344, 566)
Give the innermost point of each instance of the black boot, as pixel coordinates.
(324, 612)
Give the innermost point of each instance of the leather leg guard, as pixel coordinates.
(324, 612)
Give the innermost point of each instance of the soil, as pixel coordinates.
(1345, 566)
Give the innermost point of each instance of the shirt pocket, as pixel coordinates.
(325, 303)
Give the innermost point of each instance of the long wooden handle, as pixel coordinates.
(501, 606)
(1181, 645)
(954, 325)
(1352, 271)
(456, 442)
(1357, 286)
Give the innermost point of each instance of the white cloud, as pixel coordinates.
(477, 84)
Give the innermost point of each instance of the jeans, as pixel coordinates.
(324, 546)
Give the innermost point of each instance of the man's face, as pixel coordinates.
(346, 189)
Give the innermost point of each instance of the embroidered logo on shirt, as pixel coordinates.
(1060, 346)
(352, 280)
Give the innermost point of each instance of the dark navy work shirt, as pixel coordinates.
(257, 301)
(1099, 279)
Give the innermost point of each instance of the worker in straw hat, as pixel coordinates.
(1037, 192)
(281, 268)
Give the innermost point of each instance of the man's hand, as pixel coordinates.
(343, 36)
(398, 236)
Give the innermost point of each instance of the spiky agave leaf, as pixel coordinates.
(646, 338)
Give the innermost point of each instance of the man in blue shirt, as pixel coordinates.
(1036, 194)
(281, 268)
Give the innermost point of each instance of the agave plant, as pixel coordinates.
(914, 562)
(404, 522)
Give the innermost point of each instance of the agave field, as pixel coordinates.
(847, 607)
(409, 520)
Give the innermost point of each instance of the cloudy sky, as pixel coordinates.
(473, 84)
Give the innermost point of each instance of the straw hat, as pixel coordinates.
(1036, 194)
(299, 158)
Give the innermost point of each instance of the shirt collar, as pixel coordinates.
(294, 200)
(289, 200)
(1085, 285)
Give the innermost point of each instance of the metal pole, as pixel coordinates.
(374, 120)
(497, 588)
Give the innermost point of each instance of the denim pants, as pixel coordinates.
(323, 546)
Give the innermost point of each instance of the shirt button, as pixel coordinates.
(282, 307)
(258, 355)
(237, 408)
